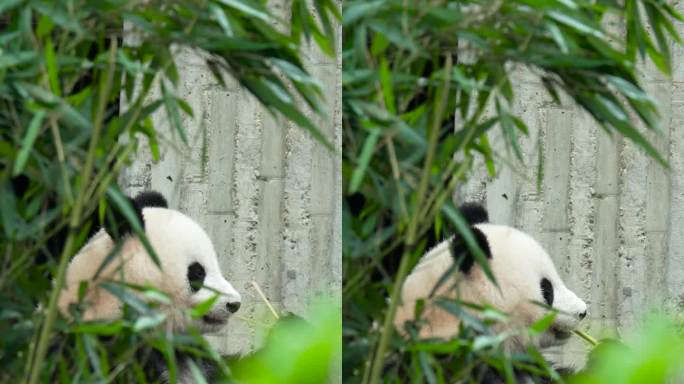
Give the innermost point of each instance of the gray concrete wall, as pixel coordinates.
(610, 217)
(265, 191)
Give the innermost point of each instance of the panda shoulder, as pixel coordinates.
(439, 254)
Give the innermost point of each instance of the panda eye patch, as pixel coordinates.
(196, 276)
(547, 291)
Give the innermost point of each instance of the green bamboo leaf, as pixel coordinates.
(123, 205)
(386, 84)
(45, 26)
(359, 9)
(488, 341)
(326, 44)
(468, 319)
(464, 230)
(11, 59)
(222, 19)
(507, 122)
(558, 37)
(8, 209)
(90, 345)
(114, 252)
(60, 15)
(173, 112)
(542, 324)
(250, 8)
(67, 113)
(28, 141)
(278, 103)
(202, 308)
(156, 296)
(105, 328)
(608, 111)
(364, 160)
(394, 35)
(7, 5)
(426, 366)
(323, 9)
(52, 67)
(296, 73)
(125, 296)
(197, 374)
(578, 23)
(146, 322)
(378, 45)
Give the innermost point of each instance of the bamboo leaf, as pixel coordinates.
(52, 68)
(464, 230)
(28, 141)
(249, 8)
(364, 160)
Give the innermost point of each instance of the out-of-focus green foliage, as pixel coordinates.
(297, 351)
(424, 85)
(76, 94)
(654, 354)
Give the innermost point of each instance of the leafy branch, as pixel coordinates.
(397, 56)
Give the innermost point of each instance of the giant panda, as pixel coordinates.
(525, 274)
(189, 273)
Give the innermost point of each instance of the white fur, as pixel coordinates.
(178, 242)
(518, 262)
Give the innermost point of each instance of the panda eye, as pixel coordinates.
(547, 291)
(196, 276)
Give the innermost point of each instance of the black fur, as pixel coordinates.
(156, 367)
(473, 213)
(150, 199)
(196, 275)
(116, 224)
(462, 254)
(547, 291)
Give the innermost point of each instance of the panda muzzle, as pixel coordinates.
(214, 320)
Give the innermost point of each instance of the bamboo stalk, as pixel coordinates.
(263, 297)
(386, 334)
(586, 337)
(51, 312)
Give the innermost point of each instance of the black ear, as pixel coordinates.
(150, 199)
(474, 213)
(461, 252)
(116, 224)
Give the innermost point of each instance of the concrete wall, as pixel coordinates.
(610, 217)
(268, 194)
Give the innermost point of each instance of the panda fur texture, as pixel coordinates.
(525, 274)
(189, 274)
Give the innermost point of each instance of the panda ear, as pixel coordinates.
(474, 213)
(150, 199)
(115, 223)
(462, 254)
(121, 227)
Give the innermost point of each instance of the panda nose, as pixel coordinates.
(233, 307)
(583, 315)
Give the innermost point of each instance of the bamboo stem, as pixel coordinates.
(263, 297)
(51, 312)
(586, 337)
(386, 334)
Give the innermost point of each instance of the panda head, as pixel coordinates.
(189, 273)
(526, 276)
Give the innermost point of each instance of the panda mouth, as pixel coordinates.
(560, 333)
(214, 320)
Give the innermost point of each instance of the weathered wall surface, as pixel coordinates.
(610, 217)
(267, 193)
